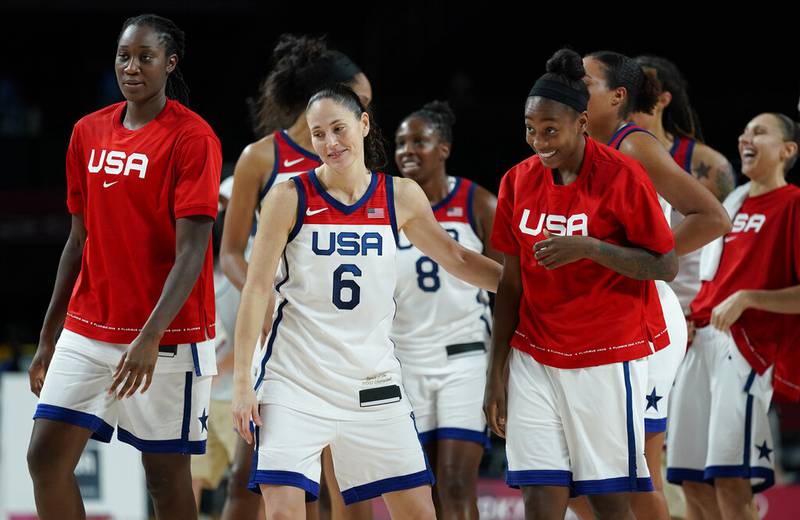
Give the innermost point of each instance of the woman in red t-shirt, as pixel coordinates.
(583, 236)
(134, 291)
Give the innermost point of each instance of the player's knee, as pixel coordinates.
(165, 475)
(40, 463)
(699, 494)
(610, 506)
(422, 509)
(281, 507)
(239, 481)
(455, 484)
(733, 491)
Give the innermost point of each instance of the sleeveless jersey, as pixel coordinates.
(440, 317)
(329, 353)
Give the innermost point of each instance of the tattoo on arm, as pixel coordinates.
(637, 263)
(725, 181)
(702, 170)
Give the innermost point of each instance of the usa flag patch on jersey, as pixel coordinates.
(456, 211)
(374, 212)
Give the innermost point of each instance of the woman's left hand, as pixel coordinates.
(556, 251)
(726, 313)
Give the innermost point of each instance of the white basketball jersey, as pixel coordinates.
(439, 317)
(329, 352)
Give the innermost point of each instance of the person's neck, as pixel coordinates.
(569, 170)
(300, 133)
(656, 127)
(767, 184)
(607, 130)
(140, 113)
(349, 184)
(436, 186)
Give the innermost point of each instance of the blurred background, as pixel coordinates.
(57, 65)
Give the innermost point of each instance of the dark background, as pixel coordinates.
(57, 65)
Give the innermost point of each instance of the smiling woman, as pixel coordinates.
(583, 236)
(329, 376)
(134, 289)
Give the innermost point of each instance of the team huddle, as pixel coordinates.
(640, 300)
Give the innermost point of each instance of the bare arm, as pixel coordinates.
(256, 161)
(633, 262)
(137, 364)
(713, 171)
(69, 266)
(506, 318)
(484, 205)
(415, 218)
(781, 301)
(705, 220)
(278, 215)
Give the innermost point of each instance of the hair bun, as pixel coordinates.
(567, 63)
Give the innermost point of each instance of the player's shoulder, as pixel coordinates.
(104, 115)
(260, 154)
(182, 122)
(705, 154)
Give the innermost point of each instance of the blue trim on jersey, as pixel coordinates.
(187, 407)
(617, 134)
(689, 153)
(632, 479)
(268, 352)
(344, 208)
(301, 208)
(676, 143)
(470, 211)
(285, 478)
(274, 332)
(747, 472)
(750, 379)
(486, 322)
(458, 434)
(449, 196)
(274, 174)
(101, 430)
(196, 360)
(387, 485)
(171, 446)
(678, 475)
(390, 204)
(611, 485)
(655, 425)
(255, 430)
(627, 130)
(299, 149)
(540, 477)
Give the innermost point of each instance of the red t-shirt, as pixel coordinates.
(130, 187)
(762, 251)
(583, 314)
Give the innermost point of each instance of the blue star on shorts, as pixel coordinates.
(653, 399)
(203, 421)
(764, 451)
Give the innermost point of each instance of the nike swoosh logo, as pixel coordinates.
(312, 213)
(730, 239)
(289, 164)
(108, 184)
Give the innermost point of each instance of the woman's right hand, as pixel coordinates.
(41, 362)
(494, 402)
(245, 410)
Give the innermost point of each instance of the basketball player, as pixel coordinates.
(328, 375)
(745, 348)
(441, 327)
(583, 236)
(134, 289)
(302, 65)
(675, 124)
(619, 88)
